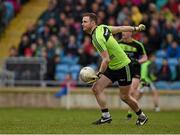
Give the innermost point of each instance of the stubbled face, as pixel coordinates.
(87, 24)
(126, 35)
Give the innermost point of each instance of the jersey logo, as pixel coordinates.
(106, 33)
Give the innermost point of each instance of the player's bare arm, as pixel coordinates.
(143, 59)
(118, 29)
(105, 61)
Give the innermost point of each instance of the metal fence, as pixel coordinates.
(23, 71)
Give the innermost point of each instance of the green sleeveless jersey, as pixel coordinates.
(145, 71)
(103, 40)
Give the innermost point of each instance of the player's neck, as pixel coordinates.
(93, 29)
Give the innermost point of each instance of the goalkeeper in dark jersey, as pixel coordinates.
(136, 52)
(115, 66)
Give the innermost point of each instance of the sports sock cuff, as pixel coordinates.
(105, 110)
(139, 112)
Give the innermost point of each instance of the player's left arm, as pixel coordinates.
(118, 29)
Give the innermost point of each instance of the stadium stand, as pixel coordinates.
(8, 10)
(58, 32)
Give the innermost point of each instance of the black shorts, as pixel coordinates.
(136, 70)
(123, 76)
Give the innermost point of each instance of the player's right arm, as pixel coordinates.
(143, 59)
(118, 29)
(105, 61)
(99, 44)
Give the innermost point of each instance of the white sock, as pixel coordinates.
(106, 114)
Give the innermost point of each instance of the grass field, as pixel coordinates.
(43, 121)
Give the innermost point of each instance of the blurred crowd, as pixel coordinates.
(57, 35)
(8, 10)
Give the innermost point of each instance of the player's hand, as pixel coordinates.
(99, 74)
(92, 79)
(141, 27)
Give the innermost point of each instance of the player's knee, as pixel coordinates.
(125, 97)
(134, 87)
(96, 89)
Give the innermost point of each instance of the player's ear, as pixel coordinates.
(93, 23)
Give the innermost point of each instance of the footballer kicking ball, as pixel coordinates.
(87, 75)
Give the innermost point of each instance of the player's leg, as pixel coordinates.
(155, 97)
(135, 84)
(134, 87)
(98, 90)
(124, 81)
(134, 93)
(140, 93)
(127, 98)
(143, 86)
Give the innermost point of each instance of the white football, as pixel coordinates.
(86, 74)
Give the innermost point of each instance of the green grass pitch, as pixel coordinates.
(78, 121)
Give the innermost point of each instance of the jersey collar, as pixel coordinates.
(93, 30)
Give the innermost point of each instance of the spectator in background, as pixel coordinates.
(57, 44)
(50, 50)
(63, 35)
(87, 45)
(173, 51)
(9, 12)
(24, 43)
(173, 6)
(16, 5)
(69, 81)
(31, 33)
(2, 16)
(13, 52)
(72, 45)
(50, 12)
(123, 15)
(153, 39)
(136, 15)
(83, 59)
(45, 34)
(51, 67)
(40, 45)
(169, 29)
(167, 41)
(31, 50)
(102, 16)
(53, 26)
(146, 21)
(165, 72)
(143, 6)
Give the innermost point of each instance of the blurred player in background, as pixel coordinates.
(148, 76)
(136, 52)
(115, 66)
